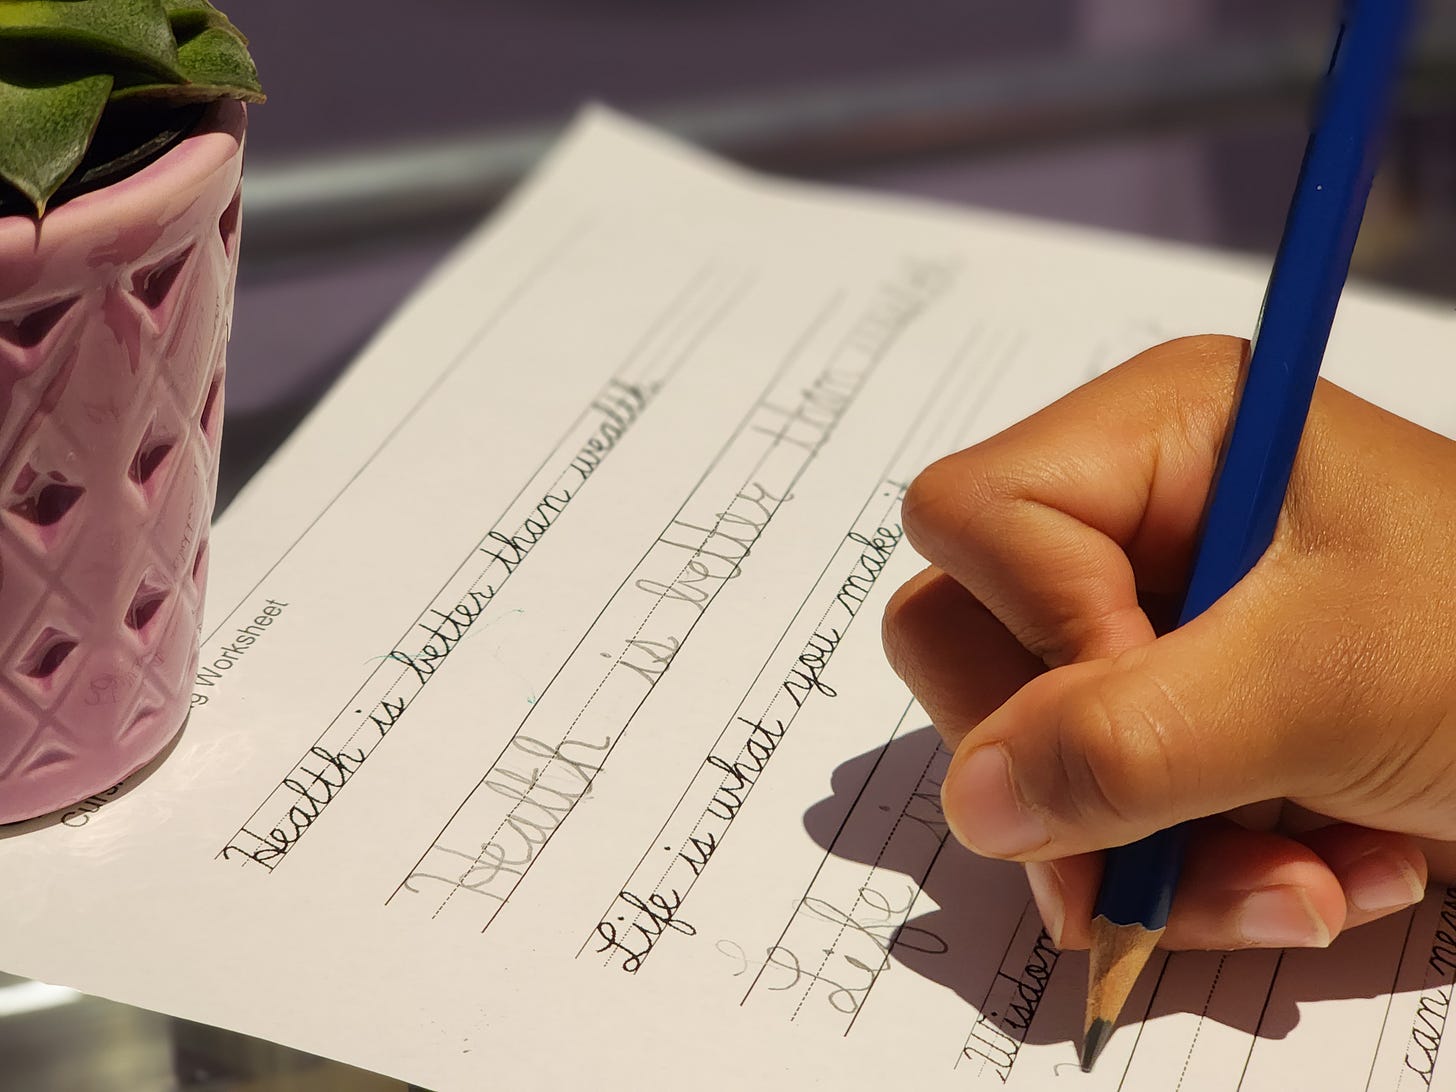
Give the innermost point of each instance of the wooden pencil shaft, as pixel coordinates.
(1118, 955)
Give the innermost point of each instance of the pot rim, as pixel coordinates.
(182, 168)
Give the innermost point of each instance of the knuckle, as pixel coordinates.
(923, 510)
(946, 501)
(1409, 780)
(897, 629)
(922, 496)
(1116, 751)
(1197, 364)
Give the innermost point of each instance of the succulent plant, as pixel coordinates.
(66, 66)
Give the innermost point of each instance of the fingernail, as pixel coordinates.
(982, 808)
(1046, 889)
(1281, 917)
(1379, 881)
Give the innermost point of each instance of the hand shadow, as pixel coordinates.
(979, 902)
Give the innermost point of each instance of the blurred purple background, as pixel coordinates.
(446, 65)
(368, 79)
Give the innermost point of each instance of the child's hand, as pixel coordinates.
(1326, 679)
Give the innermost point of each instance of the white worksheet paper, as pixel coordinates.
(543, 736)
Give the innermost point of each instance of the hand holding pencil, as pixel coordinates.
(1324, 680)
(1110, 736)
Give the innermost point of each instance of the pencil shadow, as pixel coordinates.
(962, 944)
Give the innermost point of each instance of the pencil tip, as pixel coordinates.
(1118, 955)
(1098, 1032)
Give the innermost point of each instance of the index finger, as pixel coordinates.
(1058, 523)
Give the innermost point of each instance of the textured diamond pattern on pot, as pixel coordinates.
(227, 223)
(144, 721)
(149, 597)
(104, 410)
(23, 335)
(211, 415)
(42, 500)
(150, 455)
(156, 286)
(47, 655)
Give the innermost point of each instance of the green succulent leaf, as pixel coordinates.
(133, 32)
(64, 62)
(190, 16)
(49, 126)
(214, 62)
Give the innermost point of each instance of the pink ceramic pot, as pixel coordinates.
(114, 317)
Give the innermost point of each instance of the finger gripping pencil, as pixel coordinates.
(1276, 388)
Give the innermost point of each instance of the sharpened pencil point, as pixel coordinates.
(1119, 953)
(1096, 1038)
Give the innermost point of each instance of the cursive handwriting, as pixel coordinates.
(998, 1034)
(741, 774)
(619, 406)
(509, 550)
(991, 1046)
(655, 916)
(809, 423)
(723, 546)
(715, 556)
(541, 797)
(868, 566)
(698, 851)
(1429, 1023)
(1427, 1028)
(446, 630)
(386, 714)
(324, 773)
(734, 778)
(782, 970)
(803, 679)
(856, 955)
(923, 808)
(649, 659)
(439, 631)
(876, 920)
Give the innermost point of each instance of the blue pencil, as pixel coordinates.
(1248, 491)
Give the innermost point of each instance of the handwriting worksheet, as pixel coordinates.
(542, 735)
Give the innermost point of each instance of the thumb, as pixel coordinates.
(1322, 677)
(1105, 752)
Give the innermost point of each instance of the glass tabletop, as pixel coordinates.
(53, 1039)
